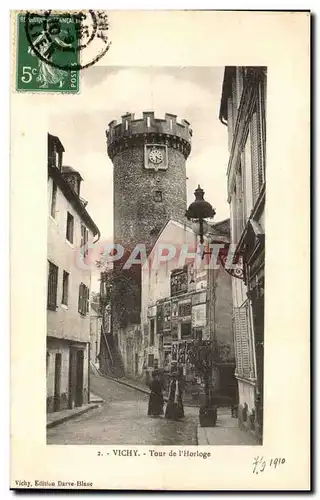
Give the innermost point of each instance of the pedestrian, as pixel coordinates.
(155, 407)
(174, 410)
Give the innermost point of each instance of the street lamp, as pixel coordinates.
(198, 211)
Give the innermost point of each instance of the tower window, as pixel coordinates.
(148, 121)
(126, 124)
(171, 123)
(158, 196)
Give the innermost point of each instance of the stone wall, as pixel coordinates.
(138, 218)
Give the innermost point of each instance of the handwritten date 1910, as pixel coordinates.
(260, 464)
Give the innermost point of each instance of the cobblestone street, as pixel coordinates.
(122, 419)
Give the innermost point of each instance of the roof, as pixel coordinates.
(56, 139)
(70, 170)
(187, 225)
(222, 226)
(73, 198)
(220, 231)
(226, 91)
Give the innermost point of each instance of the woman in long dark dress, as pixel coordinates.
(174, 410)
(155, 407)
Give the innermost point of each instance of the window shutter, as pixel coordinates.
(239, 198)
(244, 328)
(242, 344)
(82, 238)
(234, 102)
(86, 239)
(237, 340)
(87, 299)
(53, 199)
(250, 338)
(52, 286)
(230, 122)
(256, 156)
(80, 298)
(239, 83)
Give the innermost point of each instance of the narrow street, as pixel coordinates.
(122, 419)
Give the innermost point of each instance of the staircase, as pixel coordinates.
(110, 359)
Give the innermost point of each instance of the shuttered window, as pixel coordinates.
(248, 177)
(53, 200)
(233, 218)
(239, 84)
(70, 226)
(234, 102)
(83, 301)
(243, 347)
(230, 122)
(84, 240)
(52, 286)
(237, 340)
(239, 202)
(256, 155)
(65, 288)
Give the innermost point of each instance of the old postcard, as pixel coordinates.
(159, 250)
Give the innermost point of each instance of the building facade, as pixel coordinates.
(185, 301)
(243, 111)
(149, 159)
(70, 231)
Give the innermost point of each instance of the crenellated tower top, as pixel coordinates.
(148, 129)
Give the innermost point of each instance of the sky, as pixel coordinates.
(106, 93)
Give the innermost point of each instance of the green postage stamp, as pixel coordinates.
(52, 48)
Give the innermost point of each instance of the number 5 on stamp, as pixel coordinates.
(46, 53)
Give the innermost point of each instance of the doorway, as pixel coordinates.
(79, 377)
(57, 382)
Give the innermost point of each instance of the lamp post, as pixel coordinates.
(198, 211)
(204, 352)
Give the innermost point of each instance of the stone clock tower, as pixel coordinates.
(149, 158)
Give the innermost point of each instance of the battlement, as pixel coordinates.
(148, 124)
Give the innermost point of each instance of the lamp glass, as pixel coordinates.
(196, 227)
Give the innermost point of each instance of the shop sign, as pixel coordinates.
(179, 281)
(167, 341)
(184, 308)
(191, 277)
(174, 329)
(199, 315)
(174, 309)
(201, 280)
(199, 298)
(152, 312)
